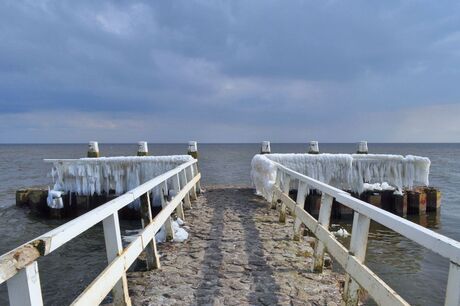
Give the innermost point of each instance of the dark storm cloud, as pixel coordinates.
(295, 64)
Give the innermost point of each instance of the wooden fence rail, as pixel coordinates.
(19, 267)
(359, 276)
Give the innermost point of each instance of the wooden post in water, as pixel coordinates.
(93, 149)
(142, 148)
(265, 147)
(362, 147)
(358, 247)
(153, 259)
(324, 220)
(313, 147)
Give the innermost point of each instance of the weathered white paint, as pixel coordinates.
(192, 147)
(152, 257)
(189, 175)
(358, 246)
(362, 147)
(353, 261)
(300, 201)
(324, 220)
(195, 171)
(24, 288)
(93, 146)
(286, 184)
(177, 187)
(183, 182)
(113, 247)
(168, 223)
(23, 279)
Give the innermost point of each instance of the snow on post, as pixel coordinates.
(192, 149)
(93, 149)
(313, 147)
(345, 171)
(362, 147)
(142, 148)
(265, 148)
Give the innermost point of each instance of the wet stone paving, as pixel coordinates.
(237, 254)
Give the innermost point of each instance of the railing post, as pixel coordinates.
(453, 284)
(323, 219)
(168, 223)
(183, 182)
(277, 184)
(286, 183)
(189, 176)
(153, 260)
(300, 201)
(24, 288)
(358, 247)
(195, 171)
(177, 188)
(114, 248)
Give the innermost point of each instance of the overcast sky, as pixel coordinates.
(229, 71)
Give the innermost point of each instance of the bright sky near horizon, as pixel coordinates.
(229, 71)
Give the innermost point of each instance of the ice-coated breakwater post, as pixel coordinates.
(313, 147)
(192, 150)
(142, 148)
(265, 148)
(362, 147)
(93, 149)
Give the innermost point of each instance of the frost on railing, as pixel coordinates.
(344, 171)
(89, 176)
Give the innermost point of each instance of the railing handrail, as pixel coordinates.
(440, 244)
(352, 259)
(52, 240)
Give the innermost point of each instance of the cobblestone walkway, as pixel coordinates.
(237, 254)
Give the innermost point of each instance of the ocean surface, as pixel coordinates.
(417, 274)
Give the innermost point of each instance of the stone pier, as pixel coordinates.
(237, 254)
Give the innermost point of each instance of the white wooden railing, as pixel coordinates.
(359, 276)
(19, 267)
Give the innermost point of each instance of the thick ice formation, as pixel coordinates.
(344, 171)
(88, 176)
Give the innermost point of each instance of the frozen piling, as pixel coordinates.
(93, 149)
(362, 147)
(193, 149)
(313, 147)
(142, 149)
(265, 147)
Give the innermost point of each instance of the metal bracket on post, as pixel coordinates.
(323, 219)
(168, 223)
(24, 288)
(286, 185)
(300, 201)
(153, 259)
(114, 247)
(358, 247)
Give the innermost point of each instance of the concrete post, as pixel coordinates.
(192, 149)
(265, 148)
(362, 147)
(93, 149)
(313, 147)
(142, 149)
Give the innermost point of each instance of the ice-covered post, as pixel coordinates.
(313, 147)
(142, 148)
(192, 149)
(93, 149)
(362, 147)
(265, 148)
